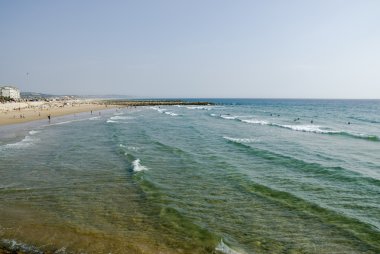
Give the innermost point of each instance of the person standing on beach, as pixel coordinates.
(49, 117)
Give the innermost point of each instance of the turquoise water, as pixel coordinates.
(242, 176)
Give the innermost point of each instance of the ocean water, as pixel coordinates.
(241, 176)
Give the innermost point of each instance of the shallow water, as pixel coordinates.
(243, 176)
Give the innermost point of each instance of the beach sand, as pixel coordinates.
(19, 112)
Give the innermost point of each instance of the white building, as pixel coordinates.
(10, 92)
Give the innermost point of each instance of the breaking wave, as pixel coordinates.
(137, 167)
(25, 142)
(164, 111)
(171, 113)
(160, 110)
(254, 121)
(229, 117)
(307, 128)
(325, 130)
(313, 129)
(116, 119)
(240, 140)
(33, 132)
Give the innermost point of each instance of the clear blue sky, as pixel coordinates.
(175, 48)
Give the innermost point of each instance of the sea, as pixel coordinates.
(236, 176)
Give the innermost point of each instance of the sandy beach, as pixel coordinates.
(19, 112)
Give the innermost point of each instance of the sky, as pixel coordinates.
(190, 49)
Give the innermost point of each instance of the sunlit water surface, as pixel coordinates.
(243, 176)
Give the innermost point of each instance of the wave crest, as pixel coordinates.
(240, 140)
(137, 167)
(314, 129)
(254, 121)
(228, 117)
(171, 113)
(307, 128)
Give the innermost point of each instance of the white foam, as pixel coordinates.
(325, 130)
(160, 110)
(94, 118)
(137, 167)
(307, 128)
(33, 132)
(241, 140)
(228, 117)
(296, 127)
(25, 142)
(224, 248)
(171, 113)
(114, 119)
(254, 121)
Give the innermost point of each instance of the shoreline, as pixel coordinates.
(22, 112)
(15, 113)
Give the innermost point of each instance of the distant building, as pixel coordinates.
(10, 92)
